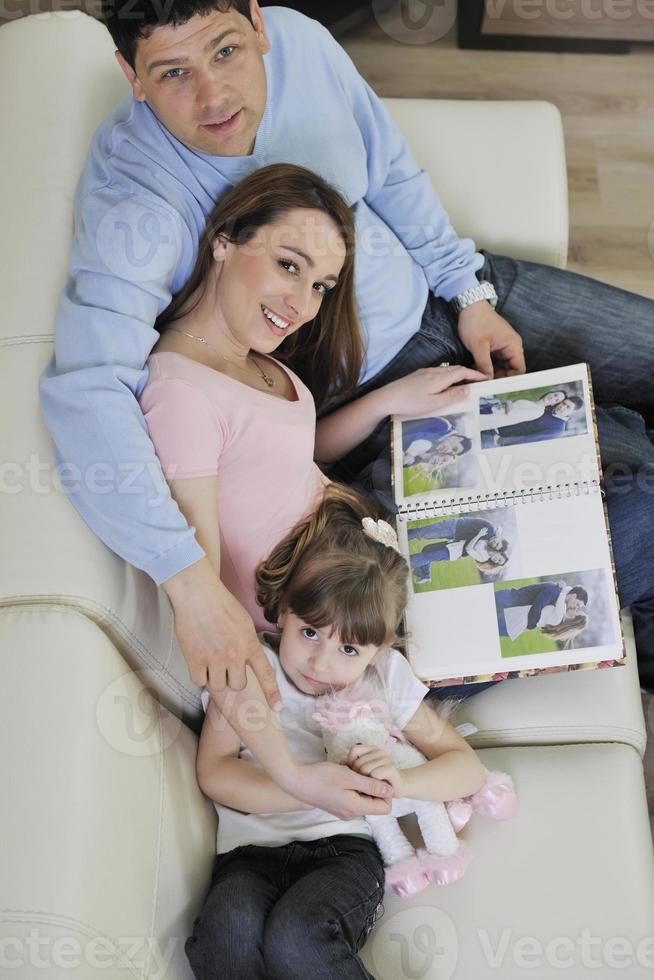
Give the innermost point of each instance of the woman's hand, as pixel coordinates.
(216, 633)
(372, 761)
(340, 791)
(428, 391)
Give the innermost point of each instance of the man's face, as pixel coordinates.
(573, 606)
(564, 409)
(450, 446)
(213, 97)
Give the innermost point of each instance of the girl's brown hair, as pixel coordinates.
(329, 572)
(327, 353)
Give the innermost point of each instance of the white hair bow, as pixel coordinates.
(380, 531)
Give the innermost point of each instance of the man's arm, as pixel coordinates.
(401, 193)
(122, 263)
(124, 259)
(547, 596)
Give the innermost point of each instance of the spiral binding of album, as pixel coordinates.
(490, 501)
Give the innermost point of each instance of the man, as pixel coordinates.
(551, 424)
(219, 90)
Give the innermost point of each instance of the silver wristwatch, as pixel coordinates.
(485, 290)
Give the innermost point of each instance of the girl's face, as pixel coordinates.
(271, 286)
(317, 662)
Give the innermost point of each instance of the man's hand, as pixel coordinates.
(216, 634)
(370, 760)
(339, 790)
(489, 338)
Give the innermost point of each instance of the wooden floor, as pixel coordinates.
(607, 102)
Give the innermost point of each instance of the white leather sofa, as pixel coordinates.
(107, 842)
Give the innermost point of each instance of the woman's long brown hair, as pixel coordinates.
(327, 352)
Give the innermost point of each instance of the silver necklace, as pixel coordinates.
(202, 340)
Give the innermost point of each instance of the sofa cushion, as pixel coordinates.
(576, 706)
(563, 889)
(108, 842)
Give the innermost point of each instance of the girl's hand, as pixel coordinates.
(428, 391)
(372, 761)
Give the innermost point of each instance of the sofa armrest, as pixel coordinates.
(498, 167)
(108, 842)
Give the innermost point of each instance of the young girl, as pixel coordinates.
(295, 891)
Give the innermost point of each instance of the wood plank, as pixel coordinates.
(607, 103)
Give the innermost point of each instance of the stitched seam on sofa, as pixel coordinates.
(34, 338)
(53, 918)
(162, 788)
(557, 729)
(63, 605)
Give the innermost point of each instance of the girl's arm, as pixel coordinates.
(326, 785)
(234, 782)
(424, 392)
(453, 768)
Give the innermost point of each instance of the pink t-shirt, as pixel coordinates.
(260, 447)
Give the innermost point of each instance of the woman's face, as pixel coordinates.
(271, 286)
(553, 398)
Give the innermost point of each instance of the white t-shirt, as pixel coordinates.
(404, 694)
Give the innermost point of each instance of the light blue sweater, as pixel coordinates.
(140, 208)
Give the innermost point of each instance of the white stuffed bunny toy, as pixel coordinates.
(444, 858)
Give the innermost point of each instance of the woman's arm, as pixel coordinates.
(453, 768)
(424, 392)
(234, 782)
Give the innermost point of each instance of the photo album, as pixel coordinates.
(502, 520)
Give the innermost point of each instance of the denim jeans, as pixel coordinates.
(297, 912)
(562, 318)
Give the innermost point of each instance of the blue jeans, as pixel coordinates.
(297, 912)
(562, 318)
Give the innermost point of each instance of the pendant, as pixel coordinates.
(269, 381)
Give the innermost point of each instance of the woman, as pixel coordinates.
(234, 428)
(559, 610)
